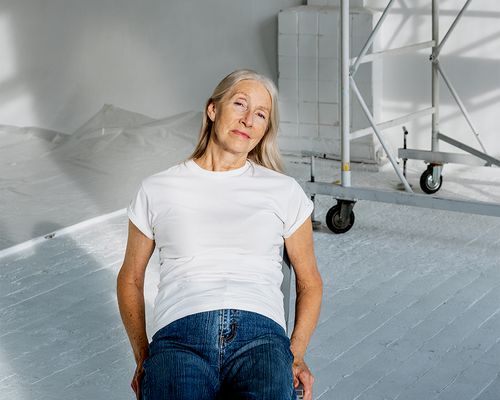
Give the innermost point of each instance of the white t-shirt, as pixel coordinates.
(219, 235)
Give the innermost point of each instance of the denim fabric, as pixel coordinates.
(221, 354)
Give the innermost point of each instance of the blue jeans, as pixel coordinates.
(221, 354)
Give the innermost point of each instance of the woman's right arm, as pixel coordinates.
(130, 291)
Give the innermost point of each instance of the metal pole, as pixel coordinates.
(370, 39)
(461, 106)
(435, 76)
(379, 135)
(344, 94)
(405, 133)
(403, 198)
(452, 27)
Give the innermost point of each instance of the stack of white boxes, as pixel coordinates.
(309, 72)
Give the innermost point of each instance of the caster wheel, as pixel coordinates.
(427, 183)
(334, 222)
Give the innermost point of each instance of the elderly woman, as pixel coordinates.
(219, 220)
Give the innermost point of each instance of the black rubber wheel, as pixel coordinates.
(427, 184)
(333, 220)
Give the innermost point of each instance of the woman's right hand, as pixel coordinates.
(136, 380)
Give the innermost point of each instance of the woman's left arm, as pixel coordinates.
(309, 288)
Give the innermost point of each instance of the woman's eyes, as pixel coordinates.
(243, 105)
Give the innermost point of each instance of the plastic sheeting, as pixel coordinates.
(51, 180)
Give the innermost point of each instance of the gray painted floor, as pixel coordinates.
(411, 307)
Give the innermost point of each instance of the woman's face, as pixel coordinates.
(241, 120)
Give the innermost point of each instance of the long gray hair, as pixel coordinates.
(266, 152)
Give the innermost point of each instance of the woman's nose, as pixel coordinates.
(247, 118)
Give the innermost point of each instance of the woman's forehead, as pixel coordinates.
(252, 88)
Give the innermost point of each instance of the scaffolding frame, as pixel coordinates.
(340, 217)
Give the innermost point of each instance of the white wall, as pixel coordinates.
(61, 60)
(471, 57)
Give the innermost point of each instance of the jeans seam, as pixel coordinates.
(221, 316)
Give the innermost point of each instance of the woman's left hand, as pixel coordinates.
(302, 374)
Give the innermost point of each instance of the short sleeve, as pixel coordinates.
(139, 213)
(300, 206)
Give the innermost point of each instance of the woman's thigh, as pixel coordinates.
(182, 362)
(178, 373)
(258, 365)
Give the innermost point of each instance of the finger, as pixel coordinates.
(304, 381)
(135, 385)
(139, 381)
(307, 389)
(307, 383)
(295, 373)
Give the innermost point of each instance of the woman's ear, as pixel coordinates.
(211, 111)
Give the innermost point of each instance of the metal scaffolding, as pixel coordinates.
(340, 218)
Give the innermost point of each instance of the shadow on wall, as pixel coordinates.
(64, 68)
(66, 59)
(268, 28)
(61, 332)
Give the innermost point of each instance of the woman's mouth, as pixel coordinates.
(242, 134)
